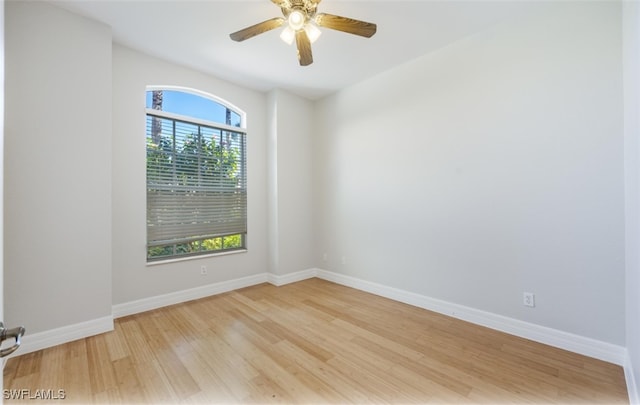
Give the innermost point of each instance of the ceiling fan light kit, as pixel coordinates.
(296, 19)
(288, 35)
(302, 24)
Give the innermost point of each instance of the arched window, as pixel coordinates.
(196, 174)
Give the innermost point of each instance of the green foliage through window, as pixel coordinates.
(201, 246)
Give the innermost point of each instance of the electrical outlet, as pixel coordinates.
(529, 299)
(344, 260)
(324, 257)
(203, 270)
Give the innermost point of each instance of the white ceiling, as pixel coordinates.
(196, 34)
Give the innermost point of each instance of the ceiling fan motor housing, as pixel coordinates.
(306, 7)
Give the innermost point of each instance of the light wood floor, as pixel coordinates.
(309, 342)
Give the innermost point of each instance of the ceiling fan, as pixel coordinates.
(302, 25)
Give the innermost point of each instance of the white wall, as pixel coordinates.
(491, 167)
(631, 34)
(132, 278)
(57, 206)
(290, 188)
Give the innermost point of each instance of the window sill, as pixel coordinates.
(198, 257)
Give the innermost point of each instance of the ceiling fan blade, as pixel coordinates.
(257, 29)
(344, 24)
(304, 48)
(281, 3)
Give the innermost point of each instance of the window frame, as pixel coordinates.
(223, 127)
(212, 97)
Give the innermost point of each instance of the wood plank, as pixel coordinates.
(101, 374)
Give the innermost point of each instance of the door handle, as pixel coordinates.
(14, 333)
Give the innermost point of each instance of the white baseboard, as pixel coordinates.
(147, 304)
(553, 337)
(53, 337)
(632, 388)
(280, 280)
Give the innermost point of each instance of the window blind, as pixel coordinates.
(196, 181)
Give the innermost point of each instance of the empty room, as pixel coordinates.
(305, 201)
